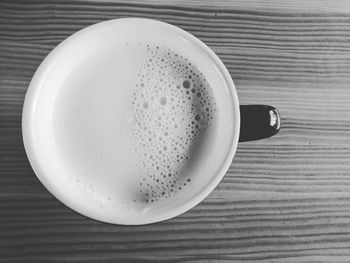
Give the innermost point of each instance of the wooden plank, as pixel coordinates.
(284, 199)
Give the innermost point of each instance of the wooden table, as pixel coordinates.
(284, 199)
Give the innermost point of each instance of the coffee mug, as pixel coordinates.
(135, 121)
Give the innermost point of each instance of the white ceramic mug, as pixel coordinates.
(69, 127)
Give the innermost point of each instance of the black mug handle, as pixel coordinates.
(258, 122)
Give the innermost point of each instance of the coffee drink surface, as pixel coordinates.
(134, 138)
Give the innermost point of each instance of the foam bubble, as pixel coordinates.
(186, 84)
(163, 101)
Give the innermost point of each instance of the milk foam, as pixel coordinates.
(173, 105)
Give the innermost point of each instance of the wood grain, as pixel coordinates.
(284, 199)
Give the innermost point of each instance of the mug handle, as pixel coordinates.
(258, 122)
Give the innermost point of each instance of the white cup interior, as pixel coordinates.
(71, 120)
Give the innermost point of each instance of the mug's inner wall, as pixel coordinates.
(83, 118)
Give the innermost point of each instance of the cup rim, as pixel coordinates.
(34, 156)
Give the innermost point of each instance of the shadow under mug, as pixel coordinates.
(236, 124)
